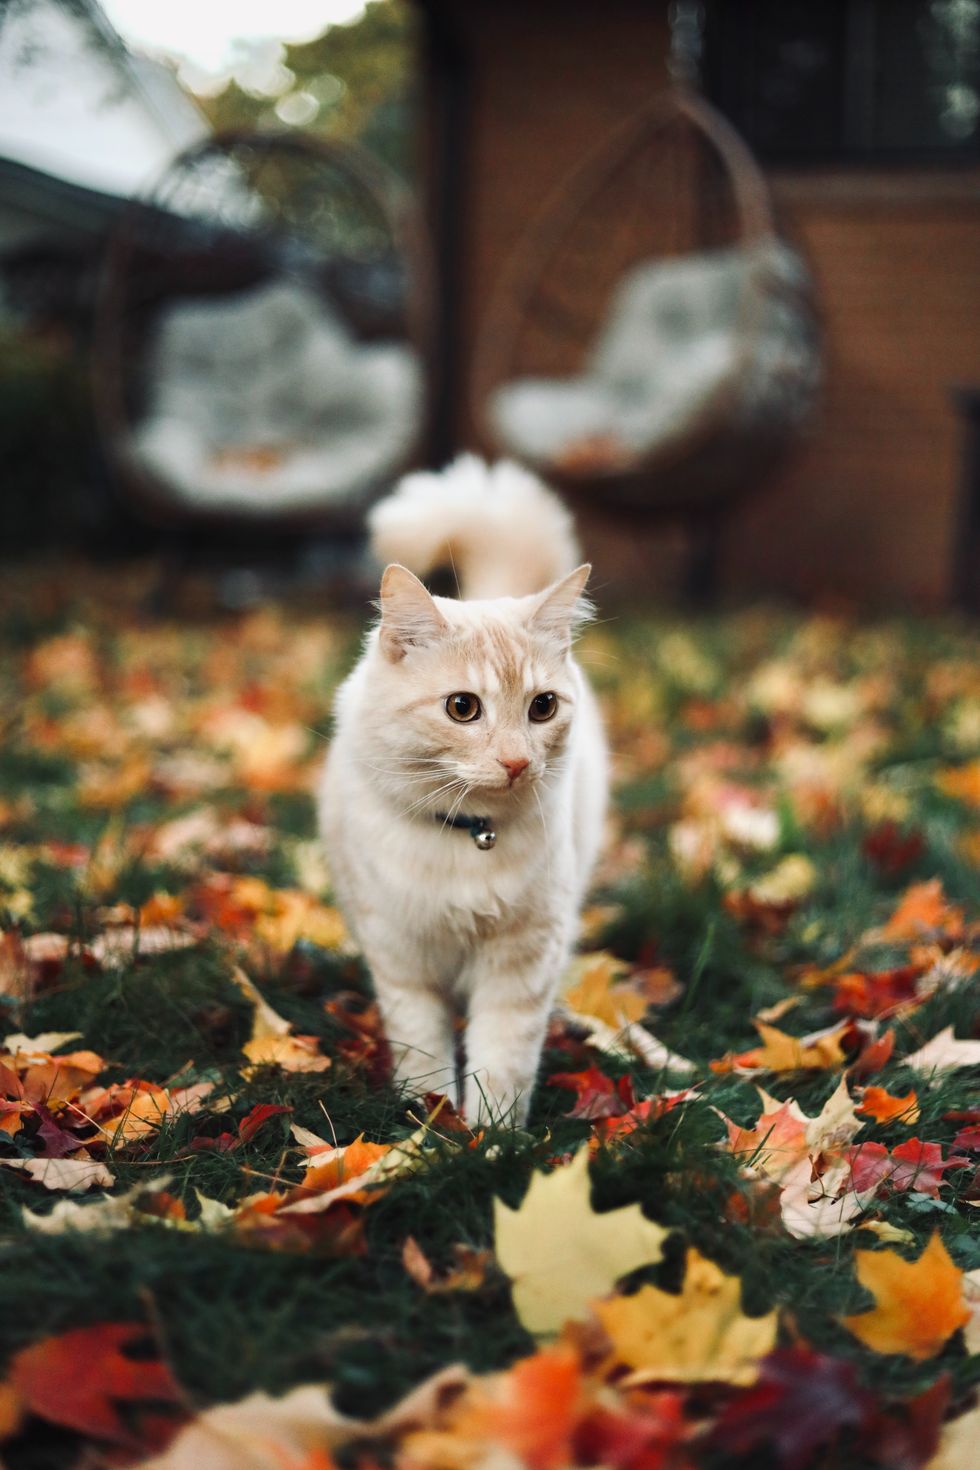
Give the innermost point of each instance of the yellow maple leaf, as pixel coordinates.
(560, 1254)
(781, 1052)
(291, 1053)
(918, 1304)
(700, 1336)
(595, 990)
(272, 1042)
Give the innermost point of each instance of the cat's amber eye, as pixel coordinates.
(542, 707)
(463, 708)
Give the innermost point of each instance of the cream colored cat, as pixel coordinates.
(464, 793)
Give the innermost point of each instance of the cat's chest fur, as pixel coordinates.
(433, 880)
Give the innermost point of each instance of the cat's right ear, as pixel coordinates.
(409, 616)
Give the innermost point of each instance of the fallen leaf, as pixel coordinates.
(783, 1053)
(264, 1433)
(942, 1054)
(291, 1053)
(817, 1207)
(78, 1173)
(885, 1107)
(525, 1418)
(595, 988)
(560, 1254)
(911, 1165)
(700, 1336)
(922, 910)
(803, 1400)
(468, 1274)
(918, 1304)
(78, 1378)
(958, 1441)
(109, 1212)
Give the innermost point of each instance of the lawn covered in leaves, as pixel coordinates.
(742, 1226)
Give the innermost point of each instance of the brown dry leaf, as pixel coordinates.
(52, 1079)
(918, 1304)
(468, 1274)
(560, 1254)
(700, 1336)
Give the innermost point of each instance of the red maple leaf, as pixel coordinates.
(78, 1378)
(914, 1164)
(258, 1117)
(596, 1095)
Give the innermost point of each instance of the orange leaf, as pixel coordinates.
(918, 1304)
(77, 1378)
(923, 907)
(883, 1106)
(54, 1080)
(961, 782)
(530, 1413)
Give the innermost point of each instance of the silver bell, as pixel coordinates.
(485, 839)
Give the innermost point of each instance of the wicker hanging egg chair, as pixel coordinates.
(258, 337)
(652, 344)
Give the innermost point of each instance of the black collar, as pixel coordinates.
(479, 828)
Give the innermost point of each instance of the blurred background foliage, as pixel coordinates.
(355, 82)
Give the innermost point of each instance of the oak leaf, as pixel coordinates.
(700, 1336)
(560, 1254)
(918, 1304)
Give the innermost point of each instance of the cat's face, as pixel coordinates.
(470, 703)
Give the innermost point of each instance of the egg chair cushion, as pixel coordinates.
(262, 403)
(675, 336)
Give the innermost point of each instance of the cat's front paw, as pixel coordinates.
(418, 1072)
(498, 1102)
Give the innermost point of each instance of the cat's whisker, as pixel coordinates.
(544, 830)
(431, 796)
(457, 804)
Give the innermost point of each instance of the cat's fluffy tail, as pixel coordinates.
(499, 527)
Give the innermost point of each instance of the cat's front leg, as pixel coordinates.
(415, 1012)
(512, 986)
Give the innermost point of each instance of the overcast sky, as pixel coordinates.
(209, 33)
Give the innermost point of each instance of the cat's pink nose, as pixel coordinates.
(514, 768)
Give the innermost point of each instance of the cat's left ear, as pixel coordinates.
(560, 608)
(409, 617)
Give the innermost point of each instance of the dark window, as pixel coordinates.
(847, 80)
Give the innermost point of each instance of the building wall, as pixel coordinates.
(867, 508)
